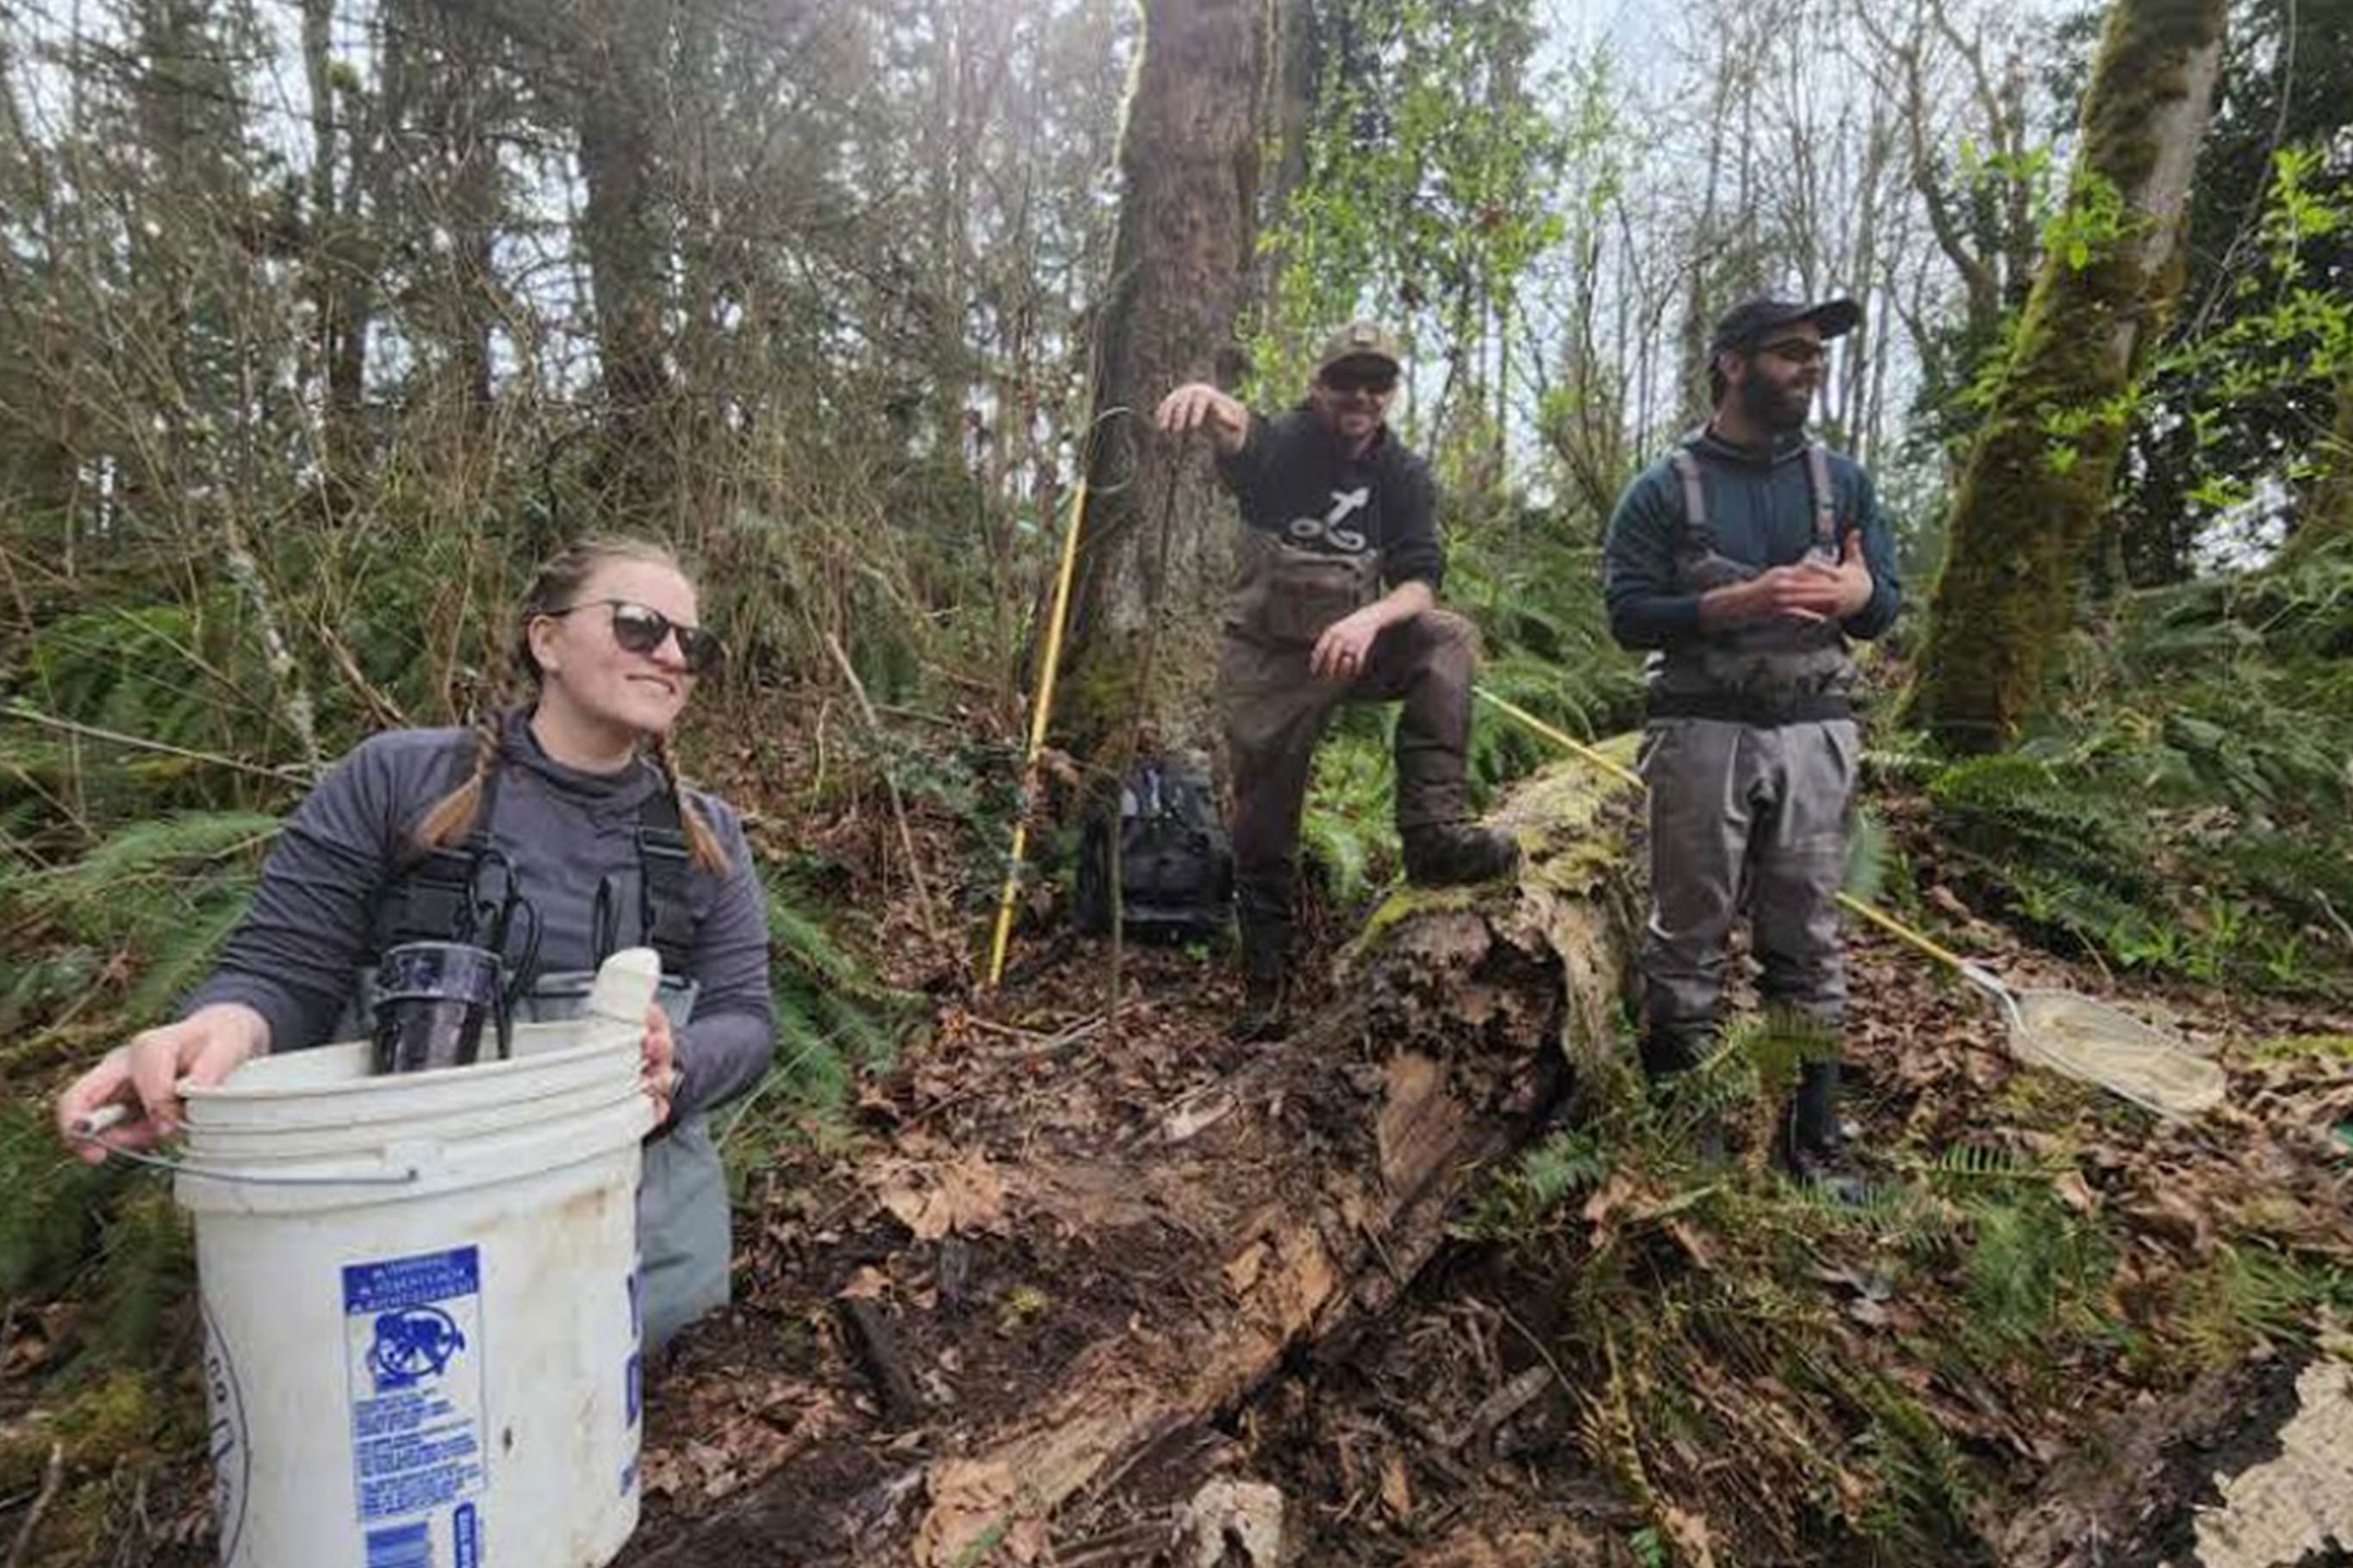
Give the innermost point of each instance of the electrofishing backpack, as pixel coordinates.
(1175, 868)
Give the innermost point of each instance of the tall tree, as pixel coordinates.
(2033, 495)
(1147, 614)
(622, 55)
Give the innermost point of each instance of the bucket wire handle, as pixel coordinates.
(92, 1129)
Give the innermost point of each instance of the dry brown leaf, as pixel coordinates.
(969, 1497)
(1693, 1241)
(1606, 1202)
(1397, 1488)
(1689, 1532)
(958, 1196)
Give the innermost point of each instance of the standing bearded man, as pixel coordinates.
(1744, 562)
(1335, 600)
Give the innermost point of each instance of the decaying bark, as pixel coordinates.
(2249, 1467)
(1297, 1197)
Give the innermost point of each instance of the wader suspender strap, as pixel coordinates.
(432, 900)
(1701, 539)
(1818, 480)
(1698, 538)
(662, 865)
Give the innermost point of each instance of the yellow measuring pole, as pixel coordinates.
(1607, 763)
(1040, 712)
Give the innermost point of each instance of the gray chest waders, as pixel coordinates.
(1776, 671)
(1750, 757)
(683, 1219)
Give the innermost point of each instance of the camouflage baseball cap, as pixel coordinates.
(1360, 340)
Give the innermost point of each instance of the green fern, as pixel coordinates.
(1964, 1164)
(1568, 1163)
(834, 1019)
(1345, 827)
(2033, 1268)
(141, 882)
(177, 965)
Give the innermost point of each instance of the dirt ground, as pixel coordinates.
(1440, 1437)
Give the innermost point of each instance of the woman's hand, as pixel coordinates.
(661, 1075)
(144, 1076)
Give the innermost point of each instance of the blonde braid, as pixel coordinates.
(450, 818)
(702, 842)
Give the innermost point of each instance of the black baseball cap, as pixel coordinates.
(1751, 322)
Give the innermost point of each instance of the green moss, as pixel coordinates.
(2036, 485)
(118, 1415)
(2305, 1048)
(1401, 905)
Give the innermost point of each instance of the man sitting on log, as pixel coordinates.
(1744, 560)
(1335, 510)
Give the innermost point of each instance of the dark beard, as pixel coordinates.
(1770, 407)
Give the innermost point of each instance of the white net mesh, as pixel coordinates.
(2105, 1045)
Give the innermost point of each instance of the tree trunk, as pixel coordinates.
(2031, 498)
(1293, 1200)
(2328, 514)
(622, 46)
(1158, 551)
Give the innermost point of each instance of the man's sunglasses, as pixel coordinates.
(1797, 351)
(640, 628)
(1379, 383)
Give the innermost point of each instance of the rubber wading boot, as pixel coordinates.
(1265, 1014)
(1443, 854)
(1830, 1169)
(1813, 1148)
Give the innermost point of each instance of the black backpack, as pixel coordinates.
(1176, 866)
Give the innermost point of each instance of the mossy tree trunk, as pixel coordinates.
(2037, 481)
(1157, 551)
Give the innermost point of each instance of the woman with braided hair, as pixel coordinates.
(571, 804)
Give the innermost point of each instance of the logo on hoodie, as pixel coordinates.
(1330, 529)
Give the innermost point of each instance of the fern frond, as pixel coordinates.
(186, 954)
(167, 845)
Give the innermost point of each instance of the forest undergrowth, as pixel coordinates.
(1893, 1378)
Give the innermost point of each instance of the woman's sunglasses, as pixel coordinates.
(640, 628)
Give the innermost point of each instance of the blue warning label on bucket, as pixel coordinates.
(412, 1344)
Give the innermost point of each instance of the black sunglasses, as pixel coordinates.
(640, 628)
(1379, 383)
(1797, 351)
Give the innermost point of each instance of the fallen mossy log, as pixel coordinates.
(1291, 1200)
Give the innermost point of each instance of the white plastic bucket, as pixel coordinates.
(420, 1297)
